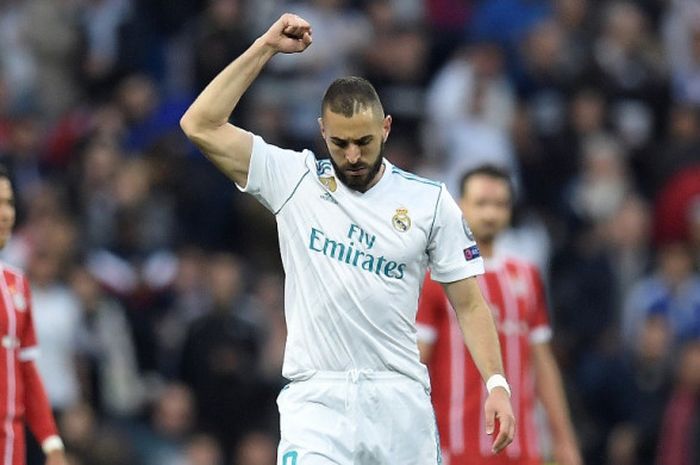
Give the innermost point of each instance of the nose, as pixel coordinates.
(353, 153)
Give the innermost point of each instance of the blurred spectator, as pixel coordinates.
(598, 191)
(671, 291)
(681, 36)
(101, 25)
(57, 320)
(679, 433)
(629, 242)
(188, 301)
(149, 116)
(269, 297)
(17, 63)
(674, 203)
(507, 21)
(545, 77)
(113, 384)
(172, 420)
(54, 39)
(256, 448)
(221, 34)
(679, 149)
(628, 65)
(92, 443)
(470, 106)
(221, 355)
(21, 154)
(202, 449)
(396, 64)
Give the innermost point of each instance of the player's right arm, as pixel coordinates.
(206, 121)
(479, 330)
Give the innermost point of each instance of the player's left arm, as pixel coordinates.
(550, 391)
(476, 321)
(38, 414)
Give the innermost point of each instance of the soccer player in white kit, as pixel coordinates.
(356, 236)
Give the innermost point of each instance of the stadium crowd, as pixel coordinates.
(158, 304)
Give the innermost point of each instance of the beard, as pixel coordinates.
(359, 183)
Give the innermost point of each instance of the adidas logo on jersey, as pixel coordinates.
(329, 198)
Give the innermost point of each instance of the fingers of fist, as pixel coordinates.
(296, 28)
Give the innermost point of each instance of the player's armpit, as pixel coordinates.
(227, 146)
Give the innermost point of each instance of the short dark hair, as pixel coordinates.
(348, 94)
(4, 172)
(491, 171)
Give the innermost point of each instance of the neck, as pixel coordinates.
(375, 179)
(485, 248)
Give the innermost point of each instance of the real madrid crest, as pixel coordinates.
(329, 182)
(401, 220)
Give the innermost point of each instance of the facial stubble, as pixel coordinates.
(360, 184)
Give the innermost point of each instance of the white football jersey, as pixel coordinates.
(354, 262)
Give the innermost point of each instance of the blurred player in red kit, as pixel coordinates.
(22, 396)
(516, 295)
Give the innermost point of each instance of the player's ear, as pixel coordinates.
(386, 127)
(320, 125)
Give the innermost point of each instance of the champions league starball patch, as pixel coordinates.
(467, 231)
(401, 221)
(470, 253)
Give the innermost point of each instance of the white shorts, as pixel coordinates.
(357, 418)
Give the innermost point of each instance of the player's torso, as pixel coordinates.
(14, 318)
(354, 263)
(367, 242)
(508, 288)
(14, 314)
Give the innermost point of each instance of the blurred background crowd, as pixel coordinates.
(158, 288)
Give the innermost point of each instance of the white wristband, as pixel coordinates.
(51, 444)
(497, 381)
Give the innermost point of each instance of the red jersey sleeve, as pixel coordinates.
(431, 310)
(540, 329)
(28, 345)
(36, 403)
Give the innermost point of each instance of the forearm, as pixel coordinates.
(212, 108)
(550, 391)
(38, 413)
(481, 337)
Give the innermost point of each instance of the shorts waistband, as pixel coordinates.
(356, 374)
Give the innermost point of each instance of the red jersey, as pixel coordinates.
(515, 293)
(22, 396)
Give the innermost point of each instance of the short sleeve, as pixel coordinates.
(274, 173)
(540, 329)
(432, 309)
(28, 344)
(452, 251)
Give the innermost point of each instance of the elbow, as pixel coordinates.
(189, 125)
